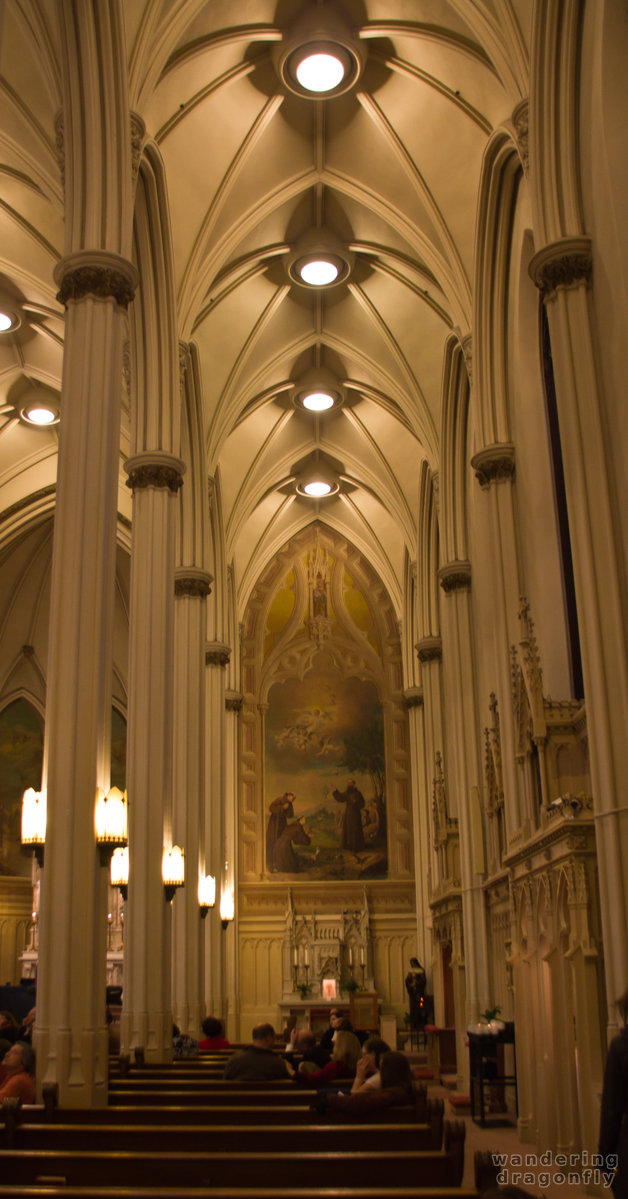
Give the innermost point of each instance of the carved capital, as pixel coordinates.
(217, 654)
(191, 581)
(233, 701)
(520, 122)
(98, 273)
(455, 576)
(565, 263)
(154, 470)
(494, 464)
(429, 649)
(413, 697)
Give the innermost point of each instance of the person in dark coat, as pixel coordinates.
(284, 857)
(614, 1110)
(258, 1063)
(352, 835)
(415, 986)
(281, 811)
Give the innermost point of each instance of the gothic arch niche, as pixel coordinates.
(323, 705)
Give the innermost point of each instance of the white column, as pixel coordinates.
(192, 585)
(562, 271)
(147, 1014)
(413, 700)
(217, 656)
(71, 1035)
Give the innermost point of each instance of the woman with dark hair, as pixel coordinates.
(213, 1038)
(367, 1074)
(614, 1113)
(397, 1089)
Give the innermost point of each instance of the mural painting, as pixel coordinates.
(325, 777)
(21, 756)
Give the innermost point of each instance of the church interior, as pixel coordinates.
(314, 525)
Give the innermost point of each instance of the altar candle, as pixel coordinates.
(361, 955)
(295, 957)
(350, 955)
(307, 956)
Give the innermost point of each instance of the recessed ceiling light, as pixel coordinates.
(320, 72)
(319, 272)
(317, 488)
(39, 414)
(318, 401)
(8, 320)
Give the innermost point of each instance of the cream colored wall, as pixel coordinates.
(16, 901)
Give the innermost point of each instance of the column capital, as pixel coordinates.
(564, 263)
(190, 580)
(217, 653)
(154, 469)
(233, 701)
(455, 576)
(494, 464)
(413, 697)
(98, 273)
(429, 649)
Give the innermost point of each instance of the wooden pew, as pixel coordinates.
(226, 1138)
(274, 1170)
(61, 1191)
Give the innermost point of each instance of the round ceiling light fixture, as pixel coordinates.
(40, 414)
(319, 260)
(318, 390)
(38, 406)
(10, 318)
(320, 56)
(317, 482)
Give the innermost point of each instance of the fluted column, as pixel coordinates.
(462, 755)
(192, 586)
(217, 656)
(71, 1037)
(562, 271)
(413, 701)
(155, 479)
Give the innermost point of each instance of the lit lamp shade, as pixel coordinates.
(119, 870)
(34, 821)
(227, 908)
(206, 893)
(110, 818)
(172, 870)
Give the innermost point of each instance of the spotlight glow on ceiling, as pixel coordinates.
(319, 272)
(318, 401)
(320, 72)
(40, 416)
(5, 322)
(316, 488)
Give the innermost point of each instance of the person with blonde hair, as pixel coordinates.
(344, 1059)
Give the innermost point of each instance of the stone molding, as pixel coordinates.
(217, 654)
(455, 576)
(96, 273)
(566, 263)
(154, 469)
(413, 697)
(191, 581)
(494, 464)
(429, 649)
(520, 123)
(233, 701)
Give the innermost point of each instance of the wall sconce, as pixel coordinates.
(172, 870)
(227, 908)
(119, 871)
(111, 822)
(34, 822)
(206, 894)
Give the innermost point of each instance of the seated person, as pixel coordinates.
(258, 1063)
(367, 1074)
(16, 1073)
(344, 1058)
(301, 1046)
(28, 1023)
(397, 1088)
(213, 1038)
(337, 1022)
(9, 1027)
(182, 1045)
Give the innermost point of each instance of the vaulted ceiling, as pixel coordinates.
(390, 169)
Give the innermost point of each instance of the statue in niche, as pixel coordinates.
(318, 571)
(319, 596)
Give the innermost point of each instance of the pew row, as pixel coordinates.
(273, 1170)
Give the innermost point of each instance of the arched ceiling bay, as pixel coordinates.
(391, 168)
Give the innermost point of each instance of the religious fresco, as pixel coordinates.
(21, 756)
(325, 777)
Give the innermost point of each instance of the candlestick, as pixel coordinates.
(295, 957)
(362, 958)
(307, 957)
(350, 955)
